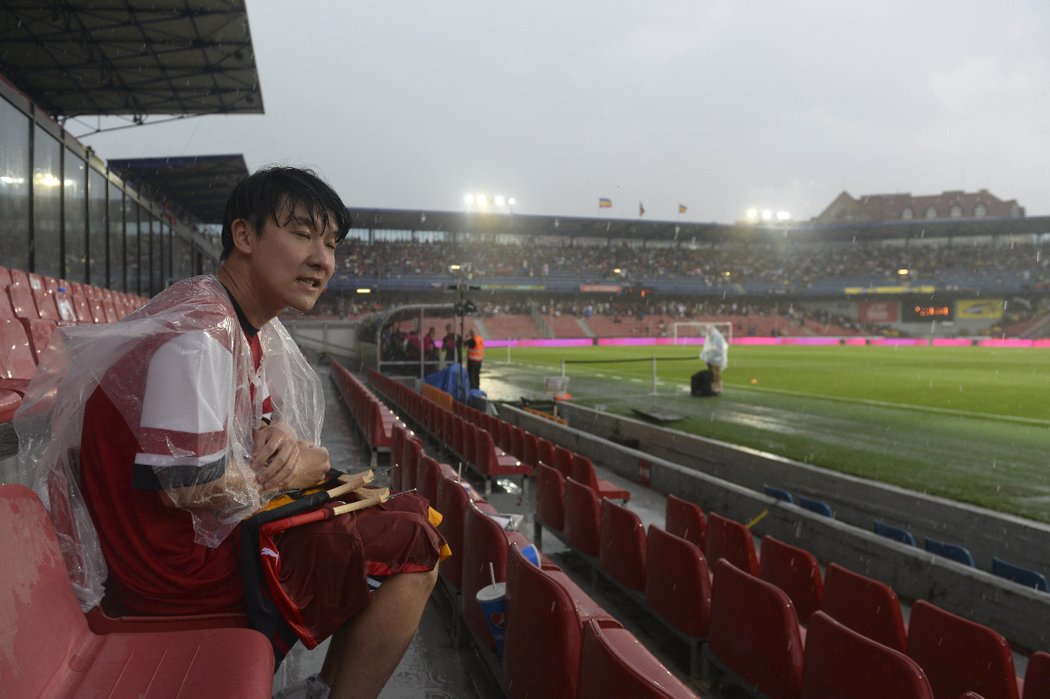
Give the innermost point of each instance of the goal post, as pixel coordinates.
(686, 331)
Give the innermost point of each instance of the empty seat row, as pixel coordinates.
(36, 296)
(558, 642)
(761, 624)
(32, 306)
(952, 551)
(374, 420)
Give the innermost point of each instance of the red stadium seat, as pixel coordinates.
(731, 540)
(678, 587)
(398, 436)
(1037, 676)
(796, 572)
(427, 474)
(754, 633)
(583, 471)
(622, 543)
(484, 544)
(452, 501)
(582, 518)
(563, 461)
(43, 297)
(960, 655)
(22, 303)
(39, 332)
(546, 613)
(550, 498)
(413, 454)
(840, 662)
(493, 463)
(686, 519)
(17, 366)
(50, 651)
(868, 606)
(613, 663)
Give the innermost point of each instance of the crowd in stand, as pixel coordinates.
(793, 265)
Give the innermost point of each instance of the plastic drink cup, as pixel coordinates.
(531, 554)
(493, 601)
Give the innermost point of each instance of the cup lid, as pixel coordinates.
(492, 592)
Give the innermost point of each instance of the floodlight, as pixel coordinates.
(469, 199)
(482, 200)
(364, 290)
(783, 216)
(500, 200)
(512, 201)
(454, 268)
(767, 215)
(903, 271)
(752, 214)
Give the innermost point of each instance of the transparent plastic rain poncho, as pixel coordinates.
(78, 361)
(716, 349)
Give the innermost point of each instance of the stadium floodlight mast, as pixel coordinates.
(480, 201)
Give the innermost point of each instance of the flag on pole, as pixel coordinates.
(682, 208)
(604, 203)
(641, 209)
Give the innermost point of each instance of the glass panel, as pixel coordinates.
(74, 191)
(14, 187)
(47, 204)
(131, 241)
(97, 273)
(117, 280)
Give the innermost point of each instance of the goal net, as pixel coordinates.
(686, 333)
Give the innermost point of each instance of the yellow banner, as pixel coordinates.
(979, 308)
(855, 290)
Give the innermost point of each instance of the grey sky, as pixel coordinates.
(717, 105)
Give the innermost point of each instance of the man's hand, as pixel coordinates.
(277, 459)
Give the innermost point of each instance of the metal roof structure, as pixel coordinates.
(644, 229)
(131, 57)
(199, 184)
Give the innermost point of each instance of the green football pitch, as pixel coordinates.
(966, 423)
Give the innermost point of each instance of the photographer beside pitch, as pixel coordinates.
(189, 415)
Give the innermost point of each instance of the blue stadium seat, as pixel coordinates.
(896, 533)
(955, 552)
(818, 506)
(1020, 575)
(779, 493)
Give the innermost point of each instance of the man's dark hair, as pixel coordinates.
(275, 193)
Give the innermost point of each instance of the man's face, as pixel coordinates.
(293, 260)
